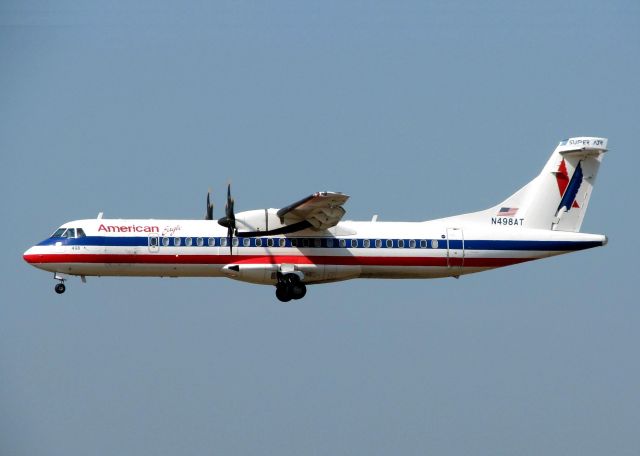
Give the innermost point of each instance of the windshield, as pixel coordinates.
(68, 233)
(58, 232)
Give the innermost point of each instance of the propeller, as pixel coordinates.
(209, 214)
(229, 220)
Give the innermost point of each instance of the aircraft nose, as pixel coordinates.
(29, 256)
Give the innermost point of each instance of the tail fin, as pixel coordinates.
(558, 197)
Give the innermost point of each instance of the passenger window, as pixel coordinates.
(165, 241)
(153, 241)
(294, 243)
(270, 242)
(223, 242)
(378, 243)
(235, 242)
(317, 242)
(366, 243)
(258, 242)
(389, 243)
(412, 243)
(329, 243)
(354, 243)
(80, 233)
(246, 242)
(423, 244)
(282, 242)
(305, 243)
(211, 242)
(401, 243)
(187, 241)
(177, 241)
(343, 242)
(200, 242)
(434, 244)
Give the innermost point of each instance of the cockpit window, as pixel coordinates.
(70, 233)
(58, 232)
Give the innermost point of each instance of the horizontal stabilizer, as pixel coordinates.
(582, 147)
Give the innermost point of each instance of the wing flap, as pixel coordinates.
(322, 210)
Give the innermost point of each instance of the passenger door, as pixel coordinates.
(455, 248)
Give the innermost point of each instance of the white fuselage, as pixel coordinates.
(199, 248)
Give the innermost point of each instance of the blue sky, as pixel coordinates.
(417, 110)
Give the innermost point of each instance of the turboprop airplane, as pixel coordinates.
(306, 242)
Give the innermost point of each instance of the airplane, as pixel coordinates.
(307, 242)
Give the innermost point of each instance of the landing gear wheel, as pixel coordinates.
(282, 293)
(60, 288)
(290, 287)
(298, 290)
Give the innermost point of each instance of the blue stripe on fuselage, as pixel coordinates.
(139, 241)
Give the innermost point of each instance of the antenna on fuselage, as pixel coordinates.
(100, 214)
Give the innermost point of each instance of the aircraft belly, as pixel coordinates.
(404, 272)
(139, 270)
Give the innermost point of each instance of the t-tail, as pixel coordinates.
(557, 199)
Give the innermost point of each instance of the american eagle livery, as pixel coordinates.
(306, 242)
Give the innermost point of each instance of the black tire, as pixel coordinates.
(283, 294)
(298, 290)
(60, 288)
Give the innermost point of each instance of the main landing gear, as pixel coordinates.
(290, 287)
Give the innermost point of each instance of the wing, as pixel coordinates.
(321, 210)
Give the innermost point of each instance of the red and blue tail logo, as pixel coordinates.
(568, 187)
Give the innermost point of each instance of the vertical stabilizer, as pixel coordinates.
(558, 197)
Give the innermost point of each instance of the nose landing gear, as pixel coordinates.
(59, 288)
(290, 287)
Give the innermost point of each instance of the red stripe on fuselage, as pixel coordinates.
(267, 259)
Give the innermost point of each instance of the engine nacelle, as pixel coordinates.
(259, 220)
(267, 274)
(253, 273)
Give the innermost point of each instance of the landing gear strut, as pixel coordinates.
(290, 287)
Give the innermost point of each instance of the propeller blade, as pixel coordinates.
(230, 219)
(228, 208)
(209, 213)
